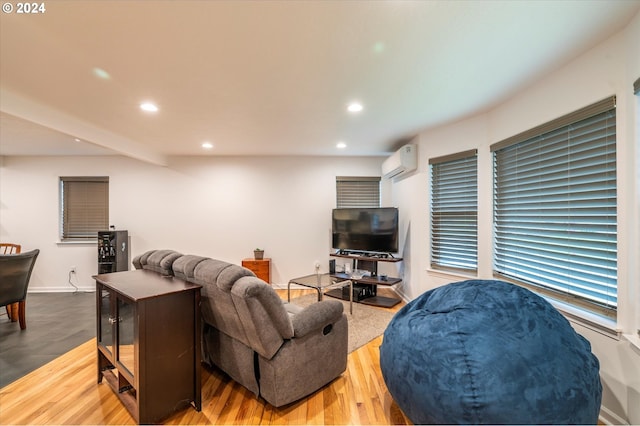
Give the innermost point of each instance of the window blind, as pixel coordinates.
(555, 214)
(454, 211)
(84, 206)
(354, 191)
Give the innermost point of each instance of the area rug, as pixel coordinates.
(366, 323)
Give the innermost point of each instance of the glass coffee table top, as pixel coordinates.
(320, 282)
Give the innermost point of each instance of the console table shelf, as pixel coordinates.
(367, 257)
(368, 280)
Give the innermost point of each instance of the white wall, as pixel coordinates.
(609, 69)
(217, 207)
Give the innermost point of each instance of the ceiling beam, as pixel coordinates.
(20, 106)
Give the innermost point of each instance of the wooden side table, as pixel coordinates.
(262, 268)
(148, 333)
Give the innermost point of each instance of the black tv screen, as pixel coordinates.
(366, 229)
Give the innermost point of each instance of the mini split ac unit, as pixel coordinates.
(403, 161)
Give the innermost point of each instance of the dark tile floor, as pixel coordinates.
(56, 323)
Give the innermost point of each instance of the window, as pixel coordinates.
(353, 191)
(555, 224)
(454, 211)
(84, 207)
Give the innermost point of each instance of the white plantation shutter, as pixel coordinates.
(555, 207)
(357, 191)
(84, 206)
(454, 211)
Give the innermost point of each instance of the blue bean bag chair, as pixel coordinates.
(489, 352)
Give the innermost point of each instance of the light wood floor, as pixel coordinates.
(65, 392)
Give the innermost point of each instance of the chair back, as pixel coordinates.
(262, 314)
(15, 272)
(9, 248)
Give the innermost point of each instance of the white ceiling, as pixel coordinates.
(273, 77)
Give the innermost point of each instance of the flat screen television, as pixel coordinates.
(365, 229)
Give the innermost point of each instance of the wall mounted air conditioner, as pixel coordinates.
(402, 161)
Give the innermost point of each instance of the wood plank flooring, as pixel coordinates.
(65, 391)
(56, 323)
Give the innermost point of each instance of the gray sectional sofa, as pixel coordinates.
(276, 349)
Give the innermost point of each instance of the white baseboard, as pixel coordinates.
(65, 289)
(610, 418)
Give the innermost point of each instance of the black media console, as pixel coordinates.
(366, 288)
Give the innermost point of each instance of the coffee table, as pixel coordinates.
(321, 282)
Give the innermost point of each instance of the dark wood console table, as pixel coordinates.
(369, 263)
(148, 333)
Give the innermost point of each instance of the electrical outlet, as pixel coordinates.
(72, 269)
(317, 265)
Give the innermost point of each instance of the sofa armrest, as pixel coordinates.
(316, 316)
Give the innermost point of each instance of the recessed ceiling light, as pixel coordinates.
(341, 145)
(378, 47)
(77, 140)
(149, 107)
(354, 107)
(100, 73)
(207, 145)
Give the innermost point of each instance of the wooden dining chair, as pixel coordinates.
(10, 248)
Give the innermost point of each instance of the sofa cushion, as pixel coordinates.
(141, 258)
(217, 307)
(207, 271)
(184, 266)
(160, 261)
(229, 276)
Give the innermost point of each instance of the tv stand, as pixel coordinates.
(368, 261)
